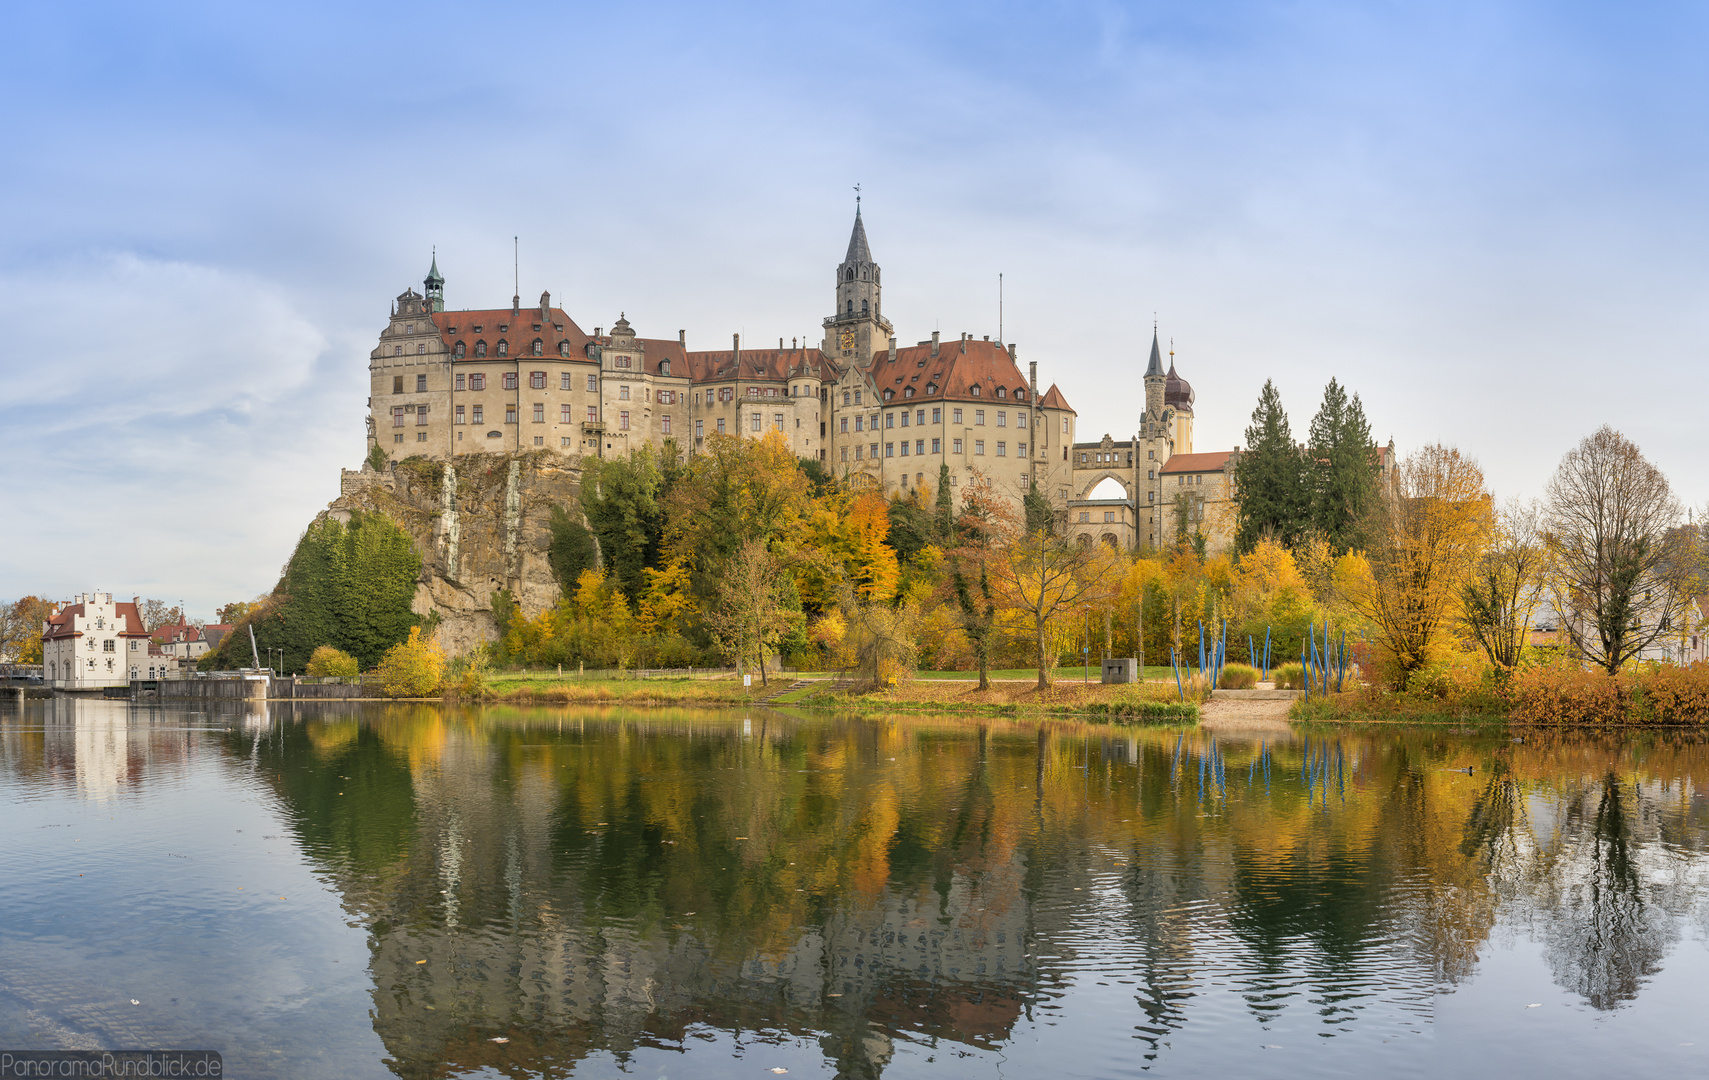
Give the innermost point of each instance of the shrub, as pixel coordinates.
(327, 660)
(1653, 694)
(1237, 677)
(1290, 677)
(413, 667)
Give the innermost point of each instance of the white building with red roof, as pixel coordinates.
(92, 643)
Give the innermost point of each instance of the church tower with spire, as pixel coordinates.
(434, 283)
(857, 327)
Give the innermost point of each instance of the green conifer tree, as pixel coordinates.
(1342, 469)
(1039, 516)
(946, 505)
(1269, 478)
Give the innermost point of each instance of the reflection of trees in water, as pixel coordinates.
(1602, 935)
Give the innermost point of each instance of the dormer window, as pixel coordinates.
(1021, 394)
(888, 394)
(908, 392)
(503, 347)
(664, 367)
(480, 348)
(931, 388)
(536, 328)
(539, 346)
(999, 391)
(477, 329)
(563, 348)
(974, 390)
(457, 351)
(503, 328)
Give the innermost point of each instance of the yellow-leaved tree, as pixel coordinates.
(1427, 534)
(412, 667)
(327, 661)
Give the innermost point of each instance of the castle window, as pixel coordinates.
(1151, 455)
(477, 381)
(845, 453)
(863, 308)
(979, 417)
(539, 347)
(889, 419)
(904, 447)
(721, 425)
(480, 348)
(777, 421)
(397, 350)
(1020, 449)
(539, 413)
(1020, 394)
(978, 446)
(665, 424)
(1002, 449)
(622, 393)
(857, 397)
(888, 394)
(563, 348)
(563, 380)
(421, 384)
(593, 384)
(664, 367)
(889, 449)
(537, 380)
(503, 347)
(1002, 418)
(421, 349)
(397, 384)
(461, 419)
(937, 446)
(1020, 419)
(845, 427)
(756, 423)
(974, 390)
(460, 378)
(593, 414)
(623, 421)
(457, 351)
(850, 274)
(858, 421)
(478, 415)
(931, 388)
(699, 430)
(904, 417)
(908, 392)
(510, 414)
(397, 416)
(999, 391)
(845, 397)
(937, 416)
(621, 361)
(509, 378)
(421, 416)
(1151, 496)
(563, 414)
(850, 311)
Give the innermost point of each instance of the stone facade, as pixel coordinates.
(445, 384)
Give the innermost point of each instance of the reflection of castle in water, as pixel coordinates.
(652, 882)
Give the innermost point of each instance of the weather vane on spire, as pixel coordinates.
(857, 196)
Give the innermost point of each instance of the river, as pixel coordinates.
(355, 890)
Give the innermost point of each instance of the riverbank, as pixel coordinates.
(1148, 703)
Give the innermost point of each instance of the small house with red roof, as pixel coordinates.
(92, 643)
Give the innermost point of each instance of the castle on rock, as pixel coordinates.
(448, 383)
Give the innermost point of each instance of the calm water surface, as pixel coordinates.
(363, 891)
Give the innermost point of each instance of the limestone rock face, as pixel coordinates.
(481, 523)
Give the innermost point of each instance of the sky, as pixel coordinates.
(1487, 219)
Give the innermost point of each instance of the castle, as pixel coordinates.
(446, 383)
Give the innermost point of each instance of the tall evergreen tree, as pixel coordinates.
(1039, 516)
(946, 505)
(1269, 478)
(1342, 468)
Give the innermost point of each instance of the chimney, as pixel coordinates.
(934, 342)
(682, 338)
(736, 350)
(779, 344)
(545, 306)
(515, 305)
(1012, 353)
(964, 338)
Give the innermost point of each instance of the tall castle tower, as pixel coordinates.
(857, 328)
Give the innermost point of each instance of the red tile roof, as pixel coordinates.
(1053, 399)
(764, 365)
(958, 367)
(455, 326)
(60, 623)
(1188, 463)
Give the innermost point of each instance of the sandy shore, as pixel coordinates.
(1224, 714)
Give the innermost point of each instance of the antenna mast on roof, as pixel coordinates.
(999, 308)
(516, 273)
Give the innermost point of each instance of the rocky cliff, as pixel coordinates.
(481, 523)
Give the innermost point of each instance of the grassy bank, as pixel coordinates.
(1151, 703)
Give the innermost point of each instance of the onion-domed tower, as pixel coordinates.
(1178, 399)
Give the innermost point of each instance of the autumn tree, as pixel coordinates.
(883, 638)
(413, 667)
(1269, 476)
(735, 491)
(21, 629)
(751, 610)
(157, 613)
(1425, 540)
(1621, 567)
(982, 534)
(234, 612)
(1504, 588)
(326, 661)
(1043, 577)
